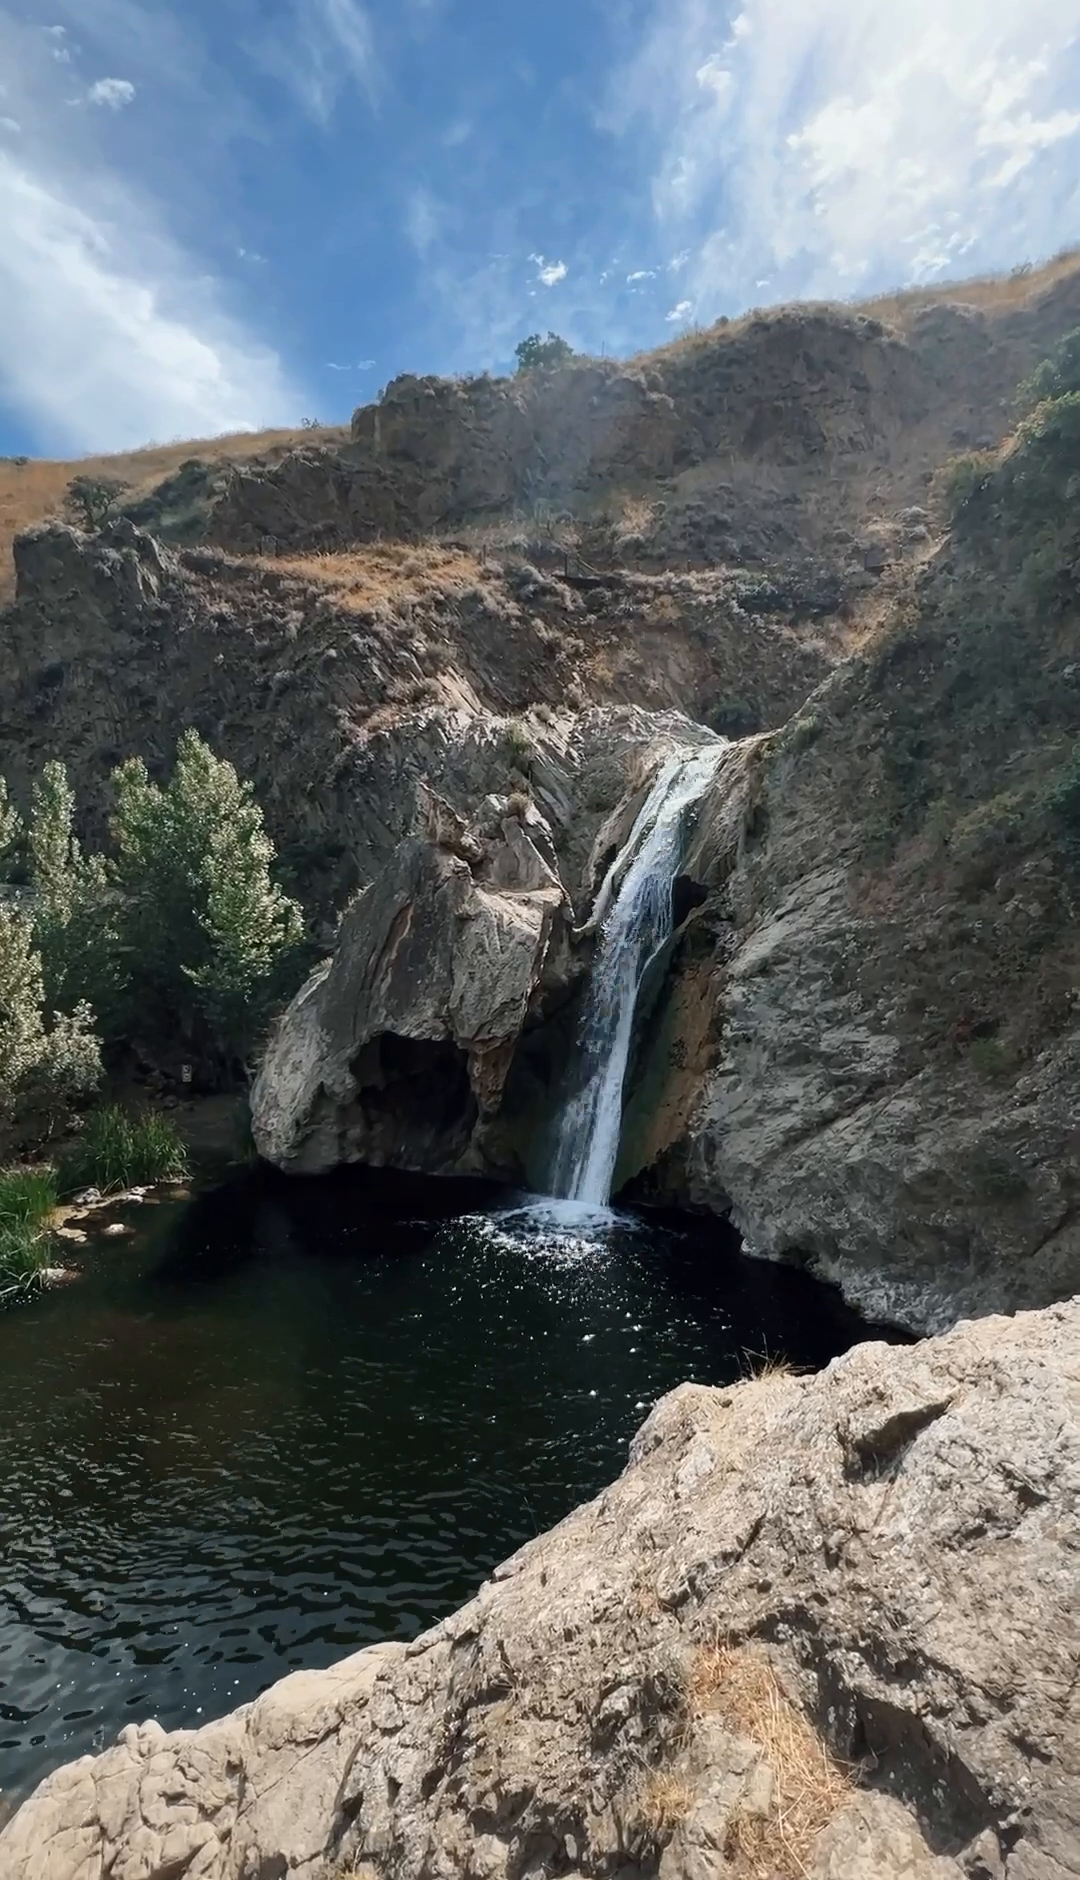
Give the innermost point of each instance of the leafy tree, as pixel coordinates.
(208, 941)
(10, 832)
(88, 500)
(41, 1066)
(71, 900)
(537, 354)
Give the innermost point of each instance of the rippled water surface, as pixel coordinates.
(295, 1417)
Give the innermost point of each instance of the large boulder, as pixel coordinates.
(397, 1052)
(823, 1628)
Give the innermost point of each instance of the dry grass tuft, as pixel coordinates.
(664, 1804)
(763, 1365)
(737, 1684)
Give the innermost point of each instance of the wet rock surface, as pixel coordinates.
(822, 1626)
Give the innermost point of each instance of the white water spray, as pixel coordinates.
(634, 907)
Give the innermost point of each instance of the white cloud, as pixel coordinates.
(332, 45)
(641, 274)
(682, 312)
(114, 93)
(104, 343)
(549, 273)
(10, 124)
(831, 146)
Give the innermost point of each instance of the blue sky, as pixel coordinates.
(218, 214)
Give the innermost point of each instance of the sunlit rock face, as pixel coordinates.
(797, 1636)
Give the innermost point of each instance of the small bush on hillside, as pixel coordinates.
(537, 354)
(88, 500)
(208, 941)
(118, 1150)
(962, 478)
(991, 1058)
(1058, 375)
(43, 1068)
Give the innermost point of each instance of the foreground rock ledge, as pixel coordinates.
(822, 1626)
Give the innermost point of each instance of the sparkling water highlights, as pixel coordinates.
(300, 1416)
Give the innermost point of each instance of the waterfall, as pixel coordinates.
(634, 908)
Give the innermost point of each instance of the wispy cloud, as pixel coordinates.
(103, 341)
(549, 273)
(114, 93)
(331, 45)
(831, 145)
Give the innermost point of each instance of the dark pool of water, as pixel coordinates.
(296, 1417)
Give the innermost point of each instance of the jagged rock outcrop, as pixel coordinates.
(397, 1052)
(823, 1628)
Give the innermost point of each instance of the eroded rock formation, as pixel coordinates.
(398, 1051)
(823, 1628)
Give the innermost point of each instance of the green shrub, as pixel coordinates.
(1058, 375)
(88, 500)
(119, 1150)
(991, 1058)
(962, 478)
(537, 354)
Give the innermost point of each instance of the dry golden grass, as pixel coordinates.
(663, 1805)
(737, 1683)
(363, 579)
(996, 293)
(33, 492)
(762, 1365)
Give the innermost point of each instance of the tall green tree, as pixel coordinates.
(10, 832)
(71, 900)
(42, 1067)
(208, 940)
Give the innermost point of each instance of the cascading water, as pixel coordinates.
(635, 912)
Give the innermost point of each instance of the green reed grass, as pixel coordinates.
(118, 1149)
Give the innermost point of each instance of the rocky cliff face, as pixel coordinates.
(784, 440)
(892, 963)
(338, 685)
(822, 1628)
(865, 1044)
